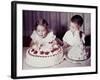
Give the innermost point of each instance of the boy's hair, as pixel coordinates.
(77, 19)
(42, 22)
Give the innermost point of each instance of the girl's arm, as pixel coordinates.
(33, 36)
(32, 43)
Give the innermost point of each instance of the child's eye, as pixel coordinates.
(38, 31)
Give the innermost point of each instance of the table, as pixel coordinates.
(65, 63)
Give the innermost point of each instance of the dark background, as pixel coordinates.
(58, 22)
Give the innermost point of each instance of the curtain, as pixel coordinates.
(58, 21)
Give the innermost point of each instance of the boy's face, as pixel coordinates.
(74, 27)
(41, 31)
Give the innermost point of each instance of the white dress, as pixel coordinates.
(77, 51)
(36, 39)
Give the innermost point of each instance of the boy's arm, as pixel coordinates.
(65, 45)
(59, 42)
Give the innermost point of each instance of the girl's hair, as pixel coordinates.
(77, 19)
(42, 22)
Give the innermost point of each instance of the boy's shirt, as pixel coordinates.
(73, 40)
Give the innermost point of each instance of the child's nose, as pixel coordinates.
(40, 32)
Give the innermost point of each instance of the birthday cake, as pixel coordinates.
(44, 55)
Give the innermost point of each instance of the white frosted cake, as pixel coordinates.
(44, 55)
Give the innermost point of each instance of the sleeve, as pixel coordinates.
(67, 38)
(33, 35)
(83, 38)
(50, 37)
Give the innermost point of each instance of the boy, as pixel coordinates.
(74, 39)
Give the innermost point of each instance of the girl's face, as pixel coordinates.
(41, 31)
(74, 27)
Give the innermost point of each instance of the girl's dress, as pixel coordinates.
(38, 40)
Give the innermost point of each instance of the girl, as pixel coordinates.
(42, 36)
